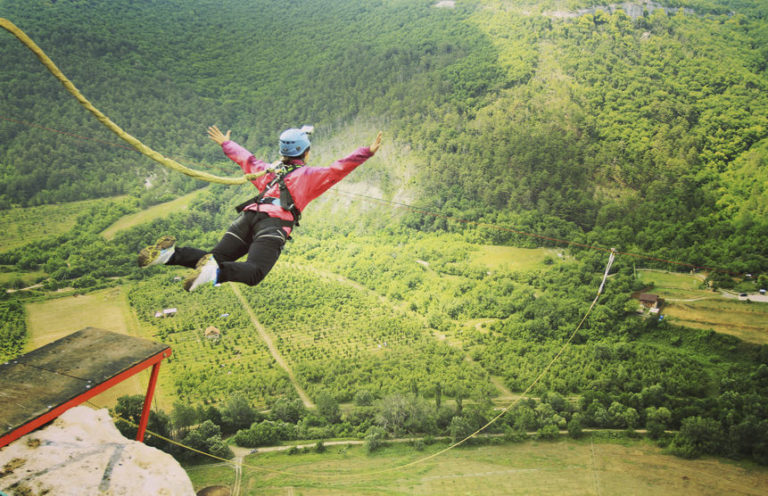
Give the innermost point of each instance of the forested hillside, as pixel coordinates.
(644, 132)
(644, 129)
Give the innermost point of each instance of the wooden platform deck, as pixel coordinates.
(39, 386)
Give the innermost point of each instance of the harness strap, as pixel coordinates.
(285, 201)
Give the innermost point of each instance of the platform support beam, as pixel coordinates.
(148, 402)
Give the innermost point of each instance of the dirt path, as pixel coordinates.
(505, 392)
(237, 485)
(593, 468)
(688, 300)
(272, 348)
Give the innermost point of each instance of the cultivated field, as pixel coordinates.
(746, 321)
(20, 226)
(565, 467)
(688, 305)
(107, 309)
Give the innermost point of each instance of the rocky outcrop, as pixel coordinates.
(82, 453)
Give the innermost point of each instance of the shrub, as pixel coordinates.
(548, 432)
(374, 438)
(575, 429)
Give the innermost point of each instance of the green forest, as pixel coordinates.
(506, 124)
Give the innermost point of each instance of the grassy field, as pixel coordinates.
(27, 277)
(564, 467)
(516, 258)
(688, 305)
(747, 321)
(672, 280)
(19, 226)
(107, 309)
(150, 214)
(217, 474)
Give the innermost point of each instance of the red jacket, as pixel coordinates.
(305, 183)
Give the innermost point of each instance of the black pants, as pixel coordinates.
(252, 233)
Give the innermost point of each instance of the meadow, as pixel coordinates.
(108, 309)
(513, 258)
(149, 214)
(687, 304)
(565, 467)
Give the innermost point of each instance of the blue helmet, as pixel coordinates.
(294, 142)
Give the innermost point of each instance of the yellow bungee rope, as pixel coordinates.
(135, 143)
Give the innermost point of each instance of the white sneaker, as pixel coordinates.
(160, 253)
(207, 270)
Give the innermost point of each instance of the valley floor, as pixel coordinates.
(565, 467)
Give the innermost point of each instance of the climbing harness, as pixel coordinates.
(285, 201)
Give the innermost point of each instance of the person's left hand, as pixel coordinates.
(217, 136)
(376, 143)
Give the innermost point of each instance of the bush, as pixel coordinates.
(575, 429)
(514, 434)
(548, 432)
(374, 438)
(364, 397)
(698, 436)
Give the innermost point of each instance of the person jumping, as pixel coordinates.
(265, 221)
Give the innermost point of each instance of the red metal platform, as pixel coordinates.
(37, 387)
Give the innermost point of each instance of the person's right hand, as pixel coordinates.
(217, 136)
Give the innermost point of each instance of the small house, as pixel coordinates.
(169, 312)
(649, 300)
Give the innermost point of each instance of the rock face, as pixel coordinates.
(82, 453)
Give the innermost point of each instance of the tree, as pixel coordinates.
(209, 413)
(460, 428)
(328, 407)
(364, 397)
(698, 436)
(657, 420)
(206, 438)
(575, 427)
(288, 410)
(374, 438)
(183, 415)
(128, 410)
(237, 414)
(438, 396)
(397, 412)
(264, 433)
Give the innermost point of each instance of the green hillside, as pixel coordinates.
(643, 130)
(432, 286)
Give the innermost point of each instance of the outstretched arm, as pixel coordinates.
(216, 135)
